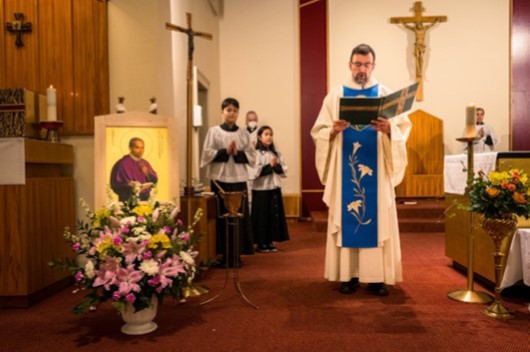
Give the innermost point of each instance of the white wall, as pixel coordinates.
(254, 58)
(147, 60)
(260, 68)
(466, 61)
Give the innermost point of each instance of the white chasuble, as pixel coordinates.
(382, 263)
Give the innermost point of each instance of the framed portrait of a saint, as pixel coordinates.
(135, 153)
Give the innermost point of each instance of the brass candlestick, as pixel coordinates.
(499, 230)
(469, 295)
(52, 130)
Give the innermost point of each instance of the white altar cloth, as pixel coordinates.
(518, 261)
(12, 161)
(455, 173)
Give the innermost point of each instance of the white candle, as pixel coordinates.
(51, 102)
(471, 121)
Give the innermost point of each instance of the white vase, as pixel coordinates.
(138, 323)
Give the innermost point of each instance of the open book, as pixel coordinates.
(360, 111)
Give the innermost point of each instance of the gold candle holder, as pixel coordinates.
(499, 230)
(469, 295)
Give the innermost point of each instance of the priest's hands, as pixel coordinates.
(381, 125)
(338, 127)
(232, 149)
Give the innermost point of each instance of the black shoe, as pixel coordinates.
(272, 248)
(349, 287)
(263, 248)
(378, 289)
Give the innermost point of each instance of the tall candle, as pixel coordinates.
(51, 102)
(471, 121)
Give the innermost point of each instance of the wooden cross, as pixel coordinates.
(188, 191)
(18, 28)
(419, 25)
(191, 34)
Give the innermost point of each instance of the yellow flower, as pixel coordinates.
(161, 239)
(365, 170)
(493, 192)
(355, 206)
(497, 177)
(142, 210)
(101, 215)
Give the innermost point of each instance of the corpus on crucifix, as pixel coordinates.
(191, 35)
(419, 25)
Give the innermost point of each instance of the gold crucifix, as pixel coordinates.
(188, 191)
(419, 25)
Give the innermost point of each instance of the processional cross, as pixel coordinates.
(419, 25)
(188, 191)
(18, 27)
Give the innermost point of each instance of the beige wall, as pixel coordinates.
(147, 60)
(254, 58)
(466, 61)
(259, 67)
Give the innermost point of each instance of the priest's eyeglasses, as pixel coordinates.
(366, 65)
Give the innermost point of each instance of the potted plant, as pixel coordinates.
(135, 255)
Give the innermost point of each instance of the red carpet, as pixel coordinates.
(299, 311)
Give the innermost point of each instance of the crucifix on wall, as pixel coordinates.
(419, 25)
(18, 27)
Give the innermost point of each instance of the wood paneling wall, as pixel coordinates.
(67, 48)
(424, 174)
(33, 218)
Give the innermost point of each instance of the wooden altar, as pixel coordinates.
(33, 216)
(206, 227)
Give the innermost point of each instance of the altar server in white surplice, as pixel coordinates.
(486, 136)
(343, 165)
(226, 154)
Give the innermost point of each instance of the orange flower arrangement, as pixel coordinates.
(500, 192)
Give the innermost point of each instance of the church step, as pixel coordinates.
(421, 225)
(421, 208)
(414, 215)
(320, 220)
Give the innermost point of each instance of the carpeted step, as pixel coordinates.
(426, 225)
(421, 215)
(420, 208)
(320, 220)
(415, 215)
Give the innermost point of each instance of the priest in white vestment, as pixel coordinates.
(381, 264)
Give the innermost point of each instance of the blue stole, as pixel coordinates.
(359, 180)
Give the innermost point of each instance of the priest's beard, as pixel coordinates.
(361, 78)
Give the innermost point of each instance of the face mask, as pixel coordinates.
(252, 124)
